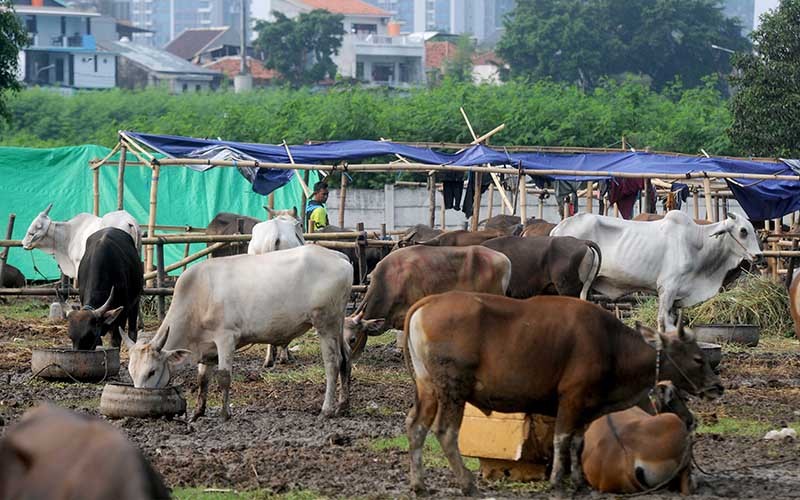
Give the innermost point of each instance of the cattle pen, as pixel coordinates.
(275, 446)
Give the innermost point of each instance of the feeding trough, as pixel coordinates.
(64, 363)
(123, 400)
(723, 334)
(713, 353)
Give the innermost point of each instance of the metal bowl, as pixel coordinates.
(65, 363)
(124, 400)
(713, 353)
(723, 334)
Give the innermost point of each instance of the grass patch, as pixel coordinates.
(728, 426)
(432, 454)
(202, 494)
(25, 309)
(519, 487)
(752, 300)
(312, 373)
(385, 338)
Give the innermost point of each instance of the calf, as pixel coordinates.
(55, 453)
(634, 450)
(222, 304)
(556, 356)
(411, 273)
(548, 265)
(111, 283)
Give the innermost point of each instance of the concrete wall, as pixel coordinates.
(87, 77)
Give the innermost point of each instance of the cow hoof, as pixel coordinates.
(224, 416)
(469, 490)
(420, 490)
(325, 414)
(196, 415)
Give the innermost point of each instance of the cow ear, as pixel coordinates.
(373, 326)
(649, 335)
(177, 356)
(130, 344)
(731, 215)
(271, 212)
(111, 316)
(294, 212)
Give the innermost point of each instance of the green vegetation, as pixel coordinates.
(25, 309)
(226, 494)
(542, 113)
(753, 300)
(13, 39)
(740, 427)
(432, 453)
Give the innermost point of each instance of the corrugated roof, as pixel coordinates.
(191, 41)
(156, 60)
(230, 65)
(348, 7)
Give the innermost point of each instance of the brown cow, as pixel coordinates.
(12, 277)
(225, 223)
(537, 227)
(411, 273)
(462, 238)
(634, 450)
(55, 453)
(546, 265)
(556, 356)
(415, 234)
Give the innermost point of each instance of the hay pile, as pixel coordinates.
(751, 300)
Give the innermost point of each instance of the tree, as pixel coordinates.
(13, 38)
(582, 41)
(766, 103)
(301, 49)
(459, 67)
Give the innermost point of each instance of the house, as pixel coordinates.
(141, 66)
(203, 45)
(486, 66)
(63, 47)
(373, 50)
(230, 66)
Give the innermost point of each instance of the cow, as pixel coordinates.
(548, 265)
(226, 223)
(56, 453)
(222, 304)
(794, 302)
(537, 227)
(12, 277)
(66, 241)
(557, 356)
(281, 232)
(640, 448)
(111, 283)
(411, 273)
(648, 217)
(415, 234)
(685, 263)
(462, 238)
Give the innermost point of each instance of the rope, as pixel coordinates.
(685, 459)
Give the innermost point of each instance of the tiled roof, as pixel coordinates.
(348, 7)
(230, 66)
(489, 57)
(436, 53)
(191, 41)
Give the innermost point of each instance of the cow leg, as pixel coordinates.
(284, 356)
(133, 321)
(565, 429)
(225, 349)
(269, 359)
(418, 422)
(578, 478)
(446, 428)
(332, 359)
(666, 301)
(202, 391)
(116, 338)
(345, 367)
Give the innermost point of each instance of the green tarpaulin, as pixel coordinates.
(32, 178)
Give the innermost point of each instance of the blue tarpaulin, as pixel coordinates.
(767, 199)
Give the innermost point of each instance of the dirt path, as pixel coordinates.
(276, 442)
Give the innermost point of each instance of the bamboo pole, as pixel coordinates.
(707, 195)
(123, 157)
(476, 202)
(96, 191)
(271, 204)
(342, 199)
(495, 178)
(136, 145)
(696, 203)
(186, 260)
(444, 215)
(431, 199)
(491, 203)
(303, 183)
(4, 253)
(160, 278)
(523, 202)
(541, 207)
(589, 196)
(151, 220)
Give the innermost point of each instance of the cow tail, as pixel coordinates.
(595, 270)
(406, 348)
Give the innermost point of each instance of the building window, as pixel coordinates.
(60, 70)
(359, 70)
(405, 73)
(63, 25)
(88, 25)
(95, 63)
(30, 24)
(365, 29)
(382, 72)
(185, 87)
(197, 88)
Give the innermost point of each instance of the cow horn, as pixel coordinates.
(680, 324)
(102, 309)
(47, 210)
(162, 341)
(731, 215)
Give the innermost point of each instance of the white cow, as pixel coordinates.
(222, 304)
(282, 231)
(685, 263)
(66, 241)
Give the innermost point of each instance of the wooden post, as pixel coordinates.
(362, 253)
(476, 202)
(523, 200)
(185, 254)
(383, 231)
(96, 191)
(160, 278)
(342, 199)
(271, 204)
(778, 223)
(491, 203)
(647, 195)
(151, 220)
(4, 253)
(541, 205)
(716, 208)
(790, 269)
(431, 199)
(589, 196)
(707, 194)
(123, 158)
(616, 210)
(696, 203)
(444, 213)
(304, 200)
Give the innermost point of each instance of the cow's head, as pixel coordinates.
(357, 329)
(150, 365)
(745, 240)
(668, 399)
(37, 229)
(683, 362)
(277, 213)
(87, 324)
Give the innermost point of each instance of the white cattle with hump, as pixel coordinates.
(222, 304)
(281, 232)
(683, 262)
(66, 241)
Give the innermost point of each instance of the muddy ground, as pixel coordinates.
(275, 442)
